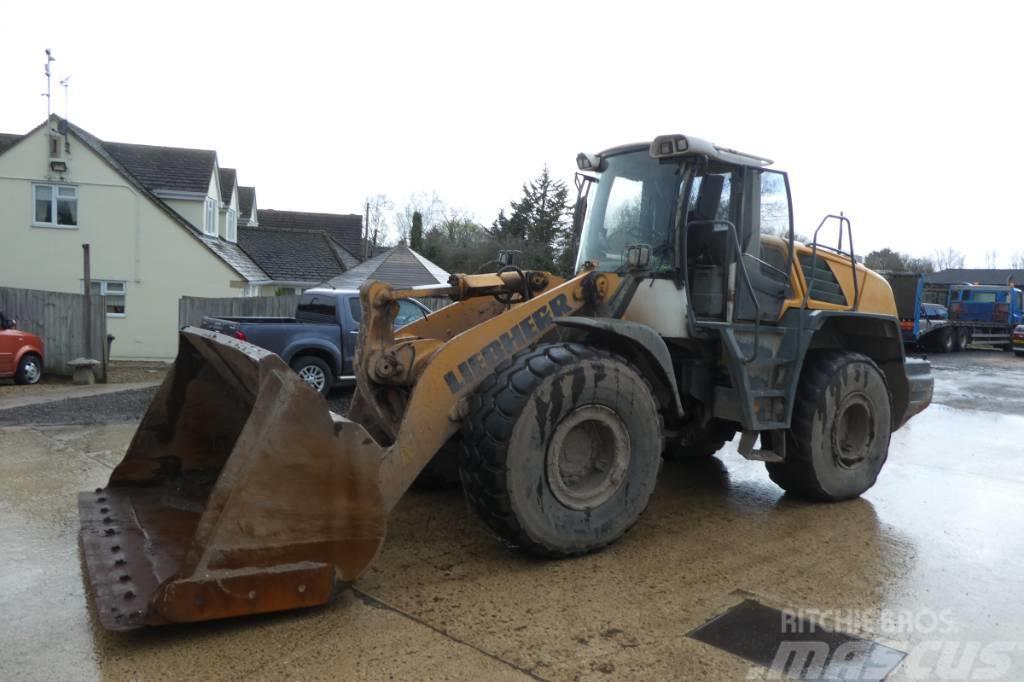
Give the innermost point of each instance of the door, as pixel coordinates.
(738, 249)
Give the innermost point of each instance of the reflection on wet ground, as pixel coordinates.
(933, 553)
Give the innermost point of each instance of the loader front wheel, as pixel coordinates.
(562, 449)
(839, 435)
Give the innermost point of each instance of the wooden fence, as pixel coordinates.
(192, 309)
(59, 319)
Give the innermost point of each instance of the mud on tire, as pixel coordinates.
(562, 449)
(839, 435)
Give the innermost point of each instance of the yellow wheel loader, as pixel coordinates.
(694, 315)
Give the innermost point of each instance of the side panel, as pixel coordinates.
(658, 304)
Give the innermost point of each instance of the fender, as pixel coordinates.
(33, 344)
(300, 345)
(646, 342)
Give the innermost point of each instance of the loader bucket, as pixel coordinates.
(240, 493)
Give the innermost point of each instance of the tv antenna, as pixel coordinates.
(49, 59)
(64, 84)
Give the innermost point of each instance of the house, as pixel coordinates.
(161, 223)
(399, 266)
(294, 259)
(992, 276)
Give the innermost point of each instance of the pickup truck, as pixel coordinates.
(320, 341)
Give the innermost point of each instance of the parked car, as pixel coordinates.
(320, 341)
(21, 353)
(1018, 340)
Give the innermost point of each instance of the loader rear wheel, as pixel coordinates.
(839, 436)
(562, 449)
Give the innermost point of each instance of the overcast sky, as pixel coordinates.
(907, 116)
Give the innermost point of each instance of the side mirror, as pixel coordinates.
(10, 324)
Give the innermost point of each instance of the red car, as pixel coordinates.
(21, 353)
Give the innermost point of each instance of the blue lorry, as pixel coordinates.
(946, 318)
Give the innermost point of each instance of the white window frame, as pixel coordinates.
(105, 291)
(54, 194)
(210, 217)
(232, 225)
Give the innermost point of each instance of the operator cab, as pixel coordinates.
(715, 220)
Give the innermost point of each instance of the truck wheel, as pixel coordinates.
(839, 437)
(961, 340)
(314, 372)
(944, 341)
(30, 370)
(562, 449)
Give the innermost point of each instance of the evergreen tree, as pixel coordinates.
(416, 232)
(540, 219)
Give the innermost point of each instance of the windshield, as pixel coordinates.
(633, 202)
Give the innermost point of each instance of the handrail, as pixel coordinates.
(843, 220)
(746, 279)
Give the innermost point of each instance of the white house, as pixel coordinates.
(161, 223)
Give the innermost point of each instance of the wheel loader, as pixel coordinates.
(694, 315)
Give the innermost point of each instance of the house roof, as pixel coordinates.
(291, 255)
(228, 252)
(994, 276)
(399, 266)
(246, 196)
(165, 168)
(8, 140)
(344, 229)
(227, 178)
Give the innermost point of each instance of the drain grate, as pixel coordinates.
(796, 647)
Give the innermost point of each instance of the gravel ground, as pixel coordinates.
(111, 408)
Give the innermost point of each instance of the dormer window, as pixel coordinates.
(232, 226)
(210, 221)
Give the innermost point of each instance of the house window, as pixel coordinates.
(55, 205)
(210, 223)
(232, 227)
(115, 293)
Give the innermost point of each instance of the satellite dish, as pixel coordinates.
(62, 127)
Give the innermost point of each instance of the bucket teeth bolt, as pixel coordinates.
(104, 510)
(125, 578)
(129, 595)
(107, 519)
(110, 531)
(102, 499)
(120, 562)
(115, 548)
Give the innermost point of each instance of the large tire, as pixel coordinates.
(314, 372)
(838, 439)
(30, 369)
(442, 472)
(562, 449)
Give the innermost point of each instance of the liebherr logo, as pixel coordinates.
(478, 365)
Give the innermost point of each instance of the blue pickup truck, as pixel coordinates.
(320, 341)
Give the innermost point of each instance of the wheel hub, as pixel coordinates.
(31, 372)
(852, 431)
(314, 376)
(587, 457)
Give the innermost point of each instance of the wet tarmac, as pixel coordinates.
(930, 562)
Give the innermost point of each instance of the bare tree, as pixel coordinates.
(947, 259)
(992, 259)
(377, 223)
(1017, 260)
(428, 205)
